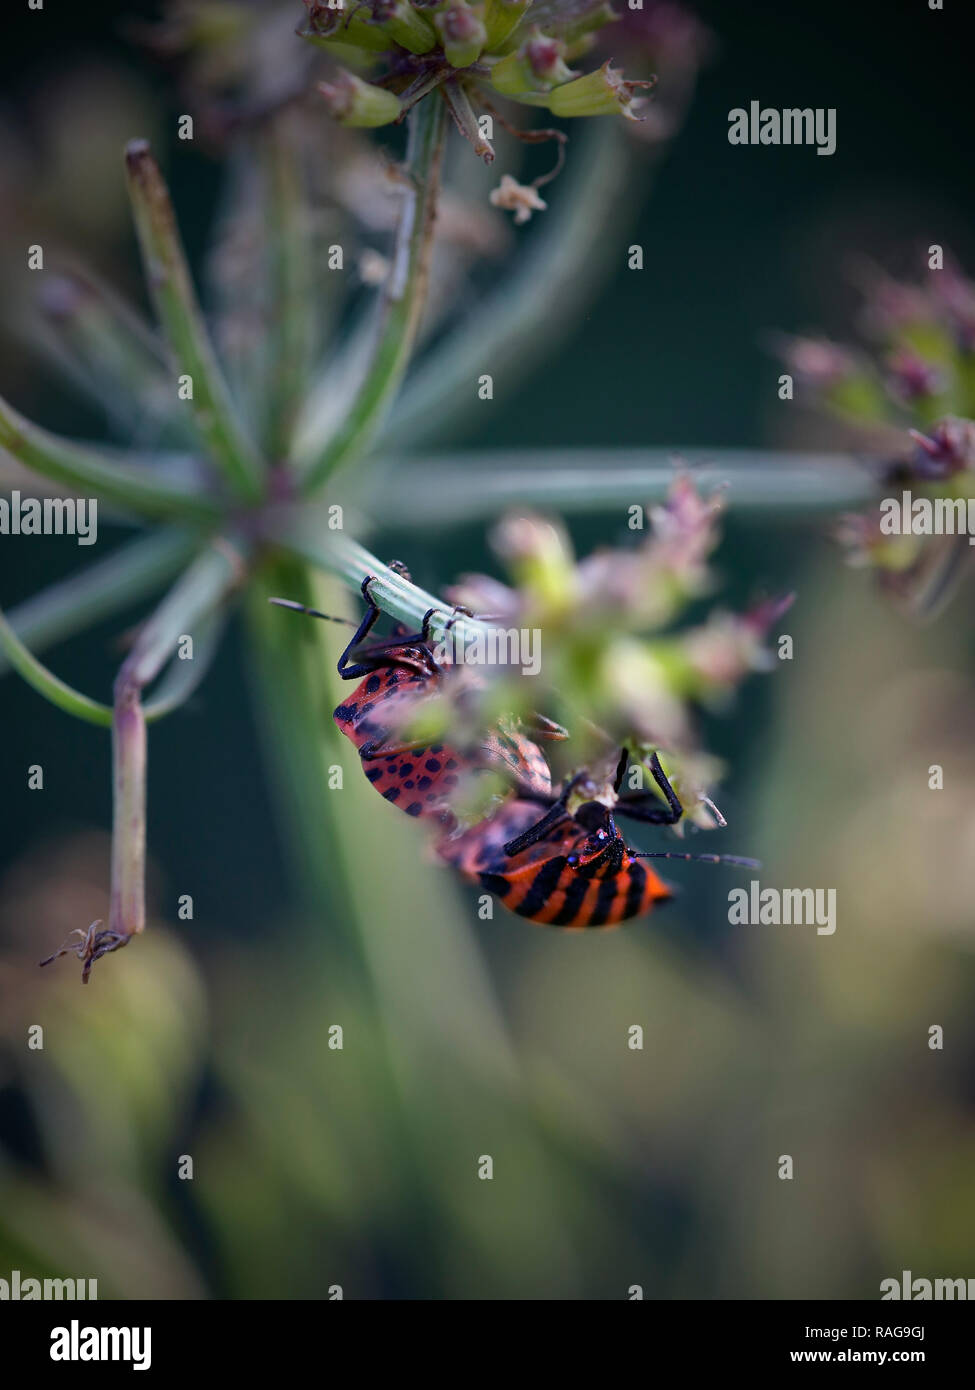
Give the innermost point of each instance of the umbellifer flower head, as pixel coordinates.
(916, 371)
(475, 48)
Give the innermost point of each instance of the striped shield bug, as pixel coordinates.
(571, 869)
(395, 675)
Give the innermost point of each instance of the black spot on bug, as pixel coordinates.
(414, 808)
(451, 764)
(425, 782)
(437, 748)
(344, 713)
(374, 774)
(406, 769)
(391, 794)
(432, 765)
(373, 684)
(409, 783)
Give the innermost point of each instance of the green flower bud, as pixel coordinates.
(462, 32)
(536, 66)
(404, 25)
(353, 102)
(501, 19)
(601, 93)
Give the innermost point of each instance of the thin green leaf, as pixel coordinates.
(172, 291)
(125, 479)
(402, 299)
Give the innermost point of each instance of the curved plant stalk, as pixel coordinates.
(56, 691)
(101, 589)
(402, 299)
(558, 271)
(172, 291)
(469, 486)
(182, 679)
(128, 480)
(395, 595)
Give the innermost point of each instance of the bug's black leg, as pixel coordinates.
(647, 808)
(620, 770)
(350, 671)
(378, 748)
(535, 832)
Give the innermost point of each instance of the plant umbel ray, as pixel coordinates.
(189, 343)
(200, 591)
(402, 299)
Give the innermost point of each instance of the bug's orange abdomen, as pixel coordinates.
(541, 884)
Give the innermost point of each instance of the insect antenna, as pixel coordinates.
(732, 859)
(309, 612)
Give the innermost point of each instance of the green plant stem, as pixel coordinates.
(175, 690)
(99, 590)
(339, 555)
(176, 305)
(47, 684)
(402, 298)
(294, 717)
(127, 480)
(461, 487)
(558, 271)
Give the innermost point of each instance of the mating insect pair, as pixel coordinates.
(563, 867)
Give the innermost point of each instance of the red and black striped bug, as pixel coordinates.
(422, 778)
(571, 870)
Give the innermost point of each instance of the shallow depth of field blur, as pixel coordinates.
(315, 1167)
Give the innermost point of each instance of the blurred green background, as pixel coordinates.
(316, 1167)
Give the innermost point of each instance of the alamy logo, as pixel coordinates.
(790, 907)
(498, 646)
(908, 515)
(20, 1289)
(77, 1343)
(924, 1290)
(50, 516)
(793, 125)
